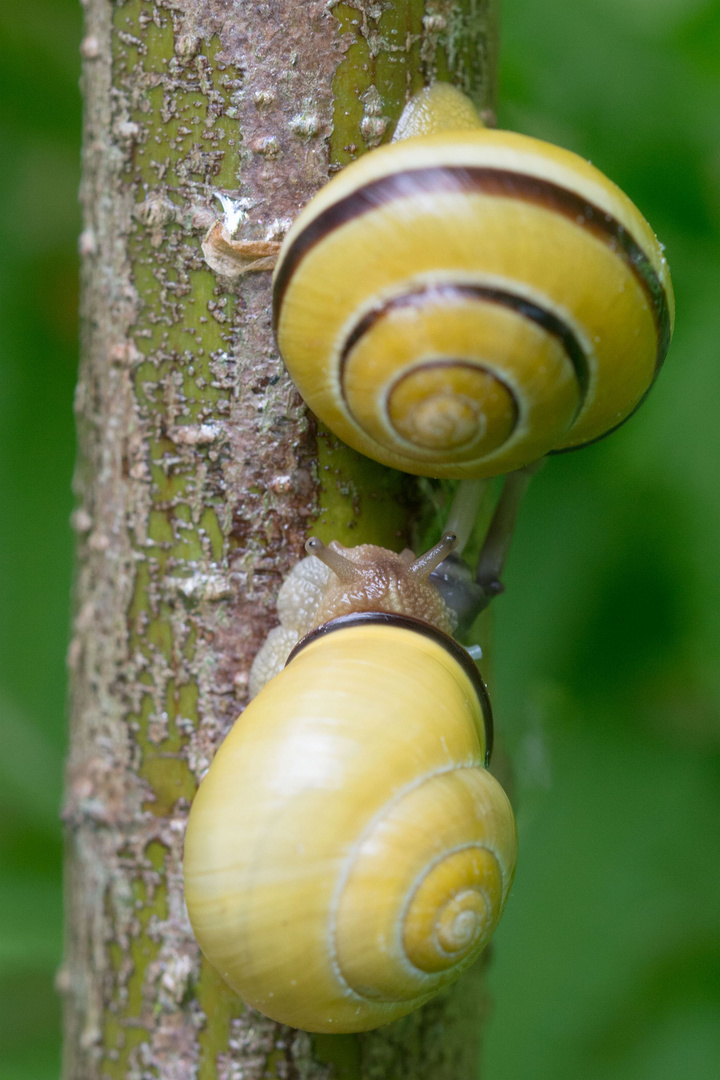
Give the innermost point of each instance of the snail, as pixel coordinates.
(463, 301)
(348, 853)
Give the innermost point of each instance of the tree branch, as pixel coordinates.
(199, 477)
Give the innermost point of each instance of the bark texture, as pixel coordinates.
(199, 477)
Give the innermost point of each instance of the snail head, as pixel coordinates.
(371, 578)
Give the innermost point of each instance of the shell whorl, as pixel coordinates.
(347, 854)
(441, 897)
(458, 304)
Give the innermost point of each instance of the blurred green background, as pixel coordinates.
(607, 964)
(39, 225)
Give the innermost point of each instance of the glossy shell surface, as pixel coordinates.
(348, 854)
(462, 303)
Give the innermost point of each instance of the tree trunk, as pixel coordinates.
(200, 475)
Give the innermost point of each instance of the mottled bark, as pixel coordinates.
(199, 477)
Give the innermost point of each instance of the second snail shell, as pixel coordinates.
(348, 853)
(464, 301)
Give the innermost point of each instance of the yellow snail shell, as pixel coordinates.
(348, 853)
(464, 301)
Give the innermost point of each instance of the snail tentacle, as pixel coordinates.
(425, 564)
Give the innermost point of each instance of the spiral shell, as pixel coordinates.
(460, 303)
(348, 854)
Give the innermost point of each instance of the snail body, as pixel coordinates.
(348, 853)
(463, 301)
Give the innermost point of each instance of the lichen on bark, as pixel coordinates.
(198, 479)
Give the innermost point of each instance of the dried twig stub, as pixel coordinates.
(231, 258)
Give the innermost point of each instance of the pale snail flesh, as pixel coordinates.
(463, 301)
(348, 853)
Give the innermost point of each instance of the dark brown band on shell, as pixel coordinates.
(547, 320)
(488, 181)
(407, 622)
